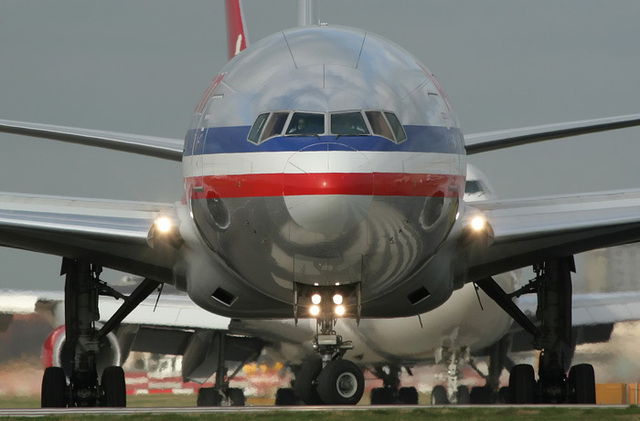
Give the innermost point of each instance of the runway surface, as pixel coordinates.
(247, 409)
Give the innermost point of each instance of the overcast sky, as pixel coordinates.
(140, 66)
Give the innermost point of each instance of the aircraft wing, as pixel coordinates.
(528, 231)
(490, 141)
(159, 147)
(108, 232)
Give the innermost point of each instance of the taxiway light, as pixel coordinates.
(478, 223)
(316, 299)
(340, 310)
(164, 224)
(337, 299)
(314, 310)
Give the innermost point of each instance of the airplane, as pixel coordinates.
(324, 175)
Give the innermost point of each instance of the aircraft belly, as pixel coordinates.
(459, 321)
(409, 340)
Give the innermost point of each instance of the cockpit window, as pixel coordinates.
(397, 128)
(348, 124)
(379, 124)
(304, 124)
(256, 129)
(274, 125)
(267, 125)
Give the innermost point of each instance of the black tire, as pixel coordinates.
(522, 384)
(439, 396)
(208, 396)
(114, 388)
(341, 382)
(286, 397)
(408, 395)
(583, 384)
(382, 396)
(503, 395)
(304, 385)
(376, 397)
(54, 388)
(464, 397)
(236, 396)
(480, 395)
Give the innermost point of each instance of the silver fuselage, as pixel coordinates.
(324, 208)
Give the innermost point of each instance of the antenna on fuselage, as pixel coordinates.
(307, 12)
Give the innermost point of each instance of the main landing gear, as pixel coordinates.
(391, 393)
(76, 384)
(330, 379)
(221, 394)
(552, 337)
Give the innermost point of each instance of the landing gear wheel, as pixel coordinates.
(522, 384)
(381, 396)
(304, 385)
(54, 388)
(236, 396)
(439, 395)
(114, 387)
(503, 395)
(408, 396)
(208, 396)
(341, 382)
(464, 397)
(480, 395)
(286, 397)
(583, 384)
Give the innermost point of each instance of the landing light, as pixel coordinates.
(314, 310)
(340, 310)
(316, 299)
(163, 224)
(337, 299)
(478, 223)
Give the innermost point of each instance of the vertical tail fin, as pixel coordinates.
(236, 29)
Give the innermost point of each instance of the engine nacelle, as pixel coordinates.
(53, 352)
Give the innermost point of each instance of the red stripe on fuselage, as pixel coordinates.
(357, 184)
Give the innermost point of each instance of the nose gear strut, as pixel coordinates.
(337, 381)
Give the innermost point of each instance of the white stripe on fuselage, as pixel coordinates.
(323, 162)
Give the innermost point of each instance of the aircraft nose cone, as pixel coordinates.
(328, 187)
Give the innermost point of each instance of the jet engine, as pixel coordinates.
(53, 352)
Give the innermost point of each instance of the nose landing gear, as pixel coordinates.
(332, 380)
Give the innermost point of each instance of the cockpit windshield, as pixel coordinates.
(267, 125)
(345, 123)
(348, 124)
(306, 124)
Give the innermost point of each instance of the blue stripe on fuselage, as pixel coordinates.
(419, 139)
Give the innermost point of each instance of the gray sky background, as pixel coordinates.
(140, 66)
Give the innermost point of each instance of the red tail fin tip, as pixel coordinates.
(236, 32)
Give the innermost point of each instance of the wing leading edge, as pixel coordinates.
(529, 231)
(491, 141)
(158, 147)
(111, 233)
